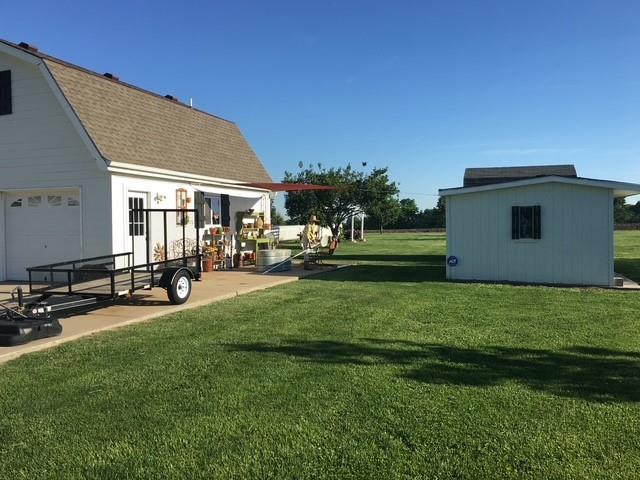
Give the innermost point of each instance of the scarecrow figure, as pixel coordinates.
(310, 239)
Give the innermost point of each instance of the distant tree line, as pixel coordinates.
(405, 214)
(624, 212)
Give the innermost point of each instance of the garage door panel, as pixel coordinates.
(41, 227)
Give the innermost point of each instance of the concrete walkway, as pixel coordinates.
(145, 305)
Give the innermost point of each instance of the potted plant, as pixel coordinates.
(209, 252)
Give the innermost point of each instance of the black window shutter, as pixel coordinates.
(515, 223)
(5, 92)
(225, 218)
(537, 231)
(199, 206)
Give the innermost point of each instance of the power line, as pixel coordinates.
(418, 193)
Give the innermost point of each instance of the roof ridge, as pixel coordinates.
(64, 63)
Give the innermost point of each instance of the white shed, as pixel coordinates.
(80, 149)
(532, 225)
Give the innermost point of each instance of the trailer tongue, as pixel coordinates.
(64, 288)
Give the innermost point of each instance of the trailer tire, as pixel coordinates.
(180, 289)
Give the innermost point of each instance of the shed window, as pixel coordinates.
(5, 93)
(525, 222)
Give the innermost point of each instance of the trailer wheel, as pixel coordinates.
(180, 288)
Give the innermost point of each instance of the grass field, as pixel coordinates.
(381, 370)
(627, 246)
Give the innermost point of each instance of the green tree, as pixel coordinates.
(409, 214)
(636, 212)
(276, 218)
(434, 217)
(332, 207)
(384, 211)
(622, 213)
(381, 203)
(355, 192)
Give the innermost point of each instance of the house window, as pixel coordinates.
(212, 209)
(525, 222)
(34, 201)
(73, 202)
(5, 93)
(182, 218)
(17, 202)
(136, 216)
(54, 200)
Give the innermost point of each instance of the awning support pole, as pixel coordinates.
(352, 230)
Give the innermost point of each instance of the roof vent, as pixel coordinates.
(172, 98)
(27, 46)
(111, 76)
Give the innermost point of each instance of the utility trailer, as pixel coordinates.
(63, 288)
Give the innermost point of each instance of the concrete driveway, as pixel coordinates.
(145, 305)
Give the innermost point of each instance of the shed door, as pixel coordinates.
(42, 226)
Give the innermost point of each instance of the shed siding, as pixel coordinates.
(576, 243)
(40, 149)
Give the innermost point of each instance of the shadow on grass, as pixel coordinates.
(588, 373)
(385, 273)
(436, 260)
(629, 267)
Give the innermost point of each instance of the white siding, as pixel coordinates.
(39, 148)
(577, 236)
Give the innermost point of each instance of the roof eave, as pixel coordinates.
(620, 189)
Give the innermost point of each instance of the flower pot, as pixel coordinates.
(207, 264)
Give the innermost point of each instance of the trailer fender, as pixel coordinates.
(170, 273)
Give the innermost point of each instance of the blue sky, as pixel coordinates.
(425, 88)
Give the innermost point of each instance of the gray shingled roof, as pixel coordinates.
(490, 175)
(131, 125)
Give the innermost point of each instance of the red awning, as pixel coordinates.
(290, 187)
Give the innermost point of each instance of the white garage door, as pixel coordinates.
(41, 227)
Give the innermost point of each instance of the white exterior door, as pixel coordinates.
(41, 227)
(137, 229)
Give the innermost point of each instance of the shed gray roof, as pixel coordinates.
(619, 189)
(130, 125)
(474, 177)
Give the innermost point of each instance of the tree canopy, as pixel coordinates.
(356, 192)
(624, 212)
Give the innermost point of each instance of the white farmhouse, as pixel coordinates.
(533, 225)
(79, 149)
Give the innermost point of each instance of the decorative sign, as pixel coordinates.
(452, 260)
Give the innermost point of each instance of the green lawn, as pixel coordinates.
(628, 254)
(377, 371)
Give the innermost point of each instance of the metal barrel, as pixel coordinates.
(269, 258)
